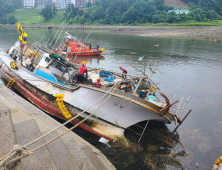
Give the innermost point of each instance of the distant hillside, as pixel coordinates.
(174, 3)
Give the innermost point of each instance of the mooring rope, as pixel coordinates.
(75, 125)
(21, 151)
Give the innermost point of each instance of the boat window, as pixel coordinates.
(82, 45)
(47, 59)
(59, 66)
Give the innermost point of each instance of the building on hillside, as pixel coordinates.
(42, 3)
(39, 4)
(179, 11)
(28, 3)
(82, 3)
(62, 4)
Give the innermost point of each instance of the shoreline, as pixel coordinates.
(190, 32)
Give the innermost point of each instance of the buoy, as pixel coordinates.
(62, 107)
(10, 83)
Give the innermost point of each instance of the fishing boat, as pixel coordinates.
(71, 48)
(42, 77)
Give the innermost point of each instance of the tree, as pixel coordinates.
(159, 4)
(46, 12)
(191, 1)
(130, 15)
(54, 9)
(88, 4)
(156, 19)
(71, 11)
(145, 10)
(9, 7)
(12, 20)
(172, 16)
(4, 20)
(97, 14)
(215, 5)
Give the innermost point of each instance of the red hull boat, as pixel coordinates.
(75, 48)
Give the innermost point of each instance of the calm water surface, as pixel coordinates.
(185, 67)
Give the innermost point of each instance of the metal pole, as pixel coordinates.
(41, 38)
(147, 81)
(184, 106)
(179, 106)
(168, 106)
(143, 73)
(143, 130)
(181, 122)
(138, 85)
(46, 42)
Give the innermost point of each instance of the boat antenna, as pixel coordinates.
(60, 26)
(59, 34)
(41, 38)
(91, 31)
(81, 12)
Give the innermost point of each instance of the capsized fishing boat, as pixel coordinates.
(71, 47)
(42, 78)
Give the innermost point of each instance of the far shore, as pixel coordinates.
(191, 32)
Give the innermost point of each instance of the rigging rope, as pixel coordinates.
(60, 26)
(90, 31)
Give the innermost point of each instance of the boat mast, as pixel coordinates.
(82, 20)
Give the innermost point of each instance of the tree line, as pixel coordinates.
(142, 11)
(123, 12)
(8, 6)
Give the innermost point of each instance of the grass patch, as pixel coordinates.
(195, 24)
(32, 16)
(27, 16)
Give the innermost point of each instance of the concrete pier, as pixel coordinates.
(22, 122)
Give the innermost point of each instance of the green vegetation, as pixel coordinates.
(27, 16)
(115, 12)
(7, 7)
(156, 149)
(138, 12)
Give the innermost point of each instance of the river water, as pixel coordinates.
(184, 67)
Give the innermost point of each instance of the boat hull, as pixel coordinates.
(121, 109)
(84, 54)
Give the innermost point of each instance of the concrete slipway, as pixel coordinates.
(21, 122)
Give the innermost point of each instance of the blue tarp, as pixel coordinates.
(45, 75)
(103, 73)
(110, 79)
(151, 97)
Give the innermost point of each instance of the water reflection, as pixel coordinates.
(88, 59)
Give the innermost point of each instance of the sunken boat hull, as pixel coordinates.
(122, 109)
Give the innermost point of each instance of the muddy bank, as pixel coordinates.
(192, 32)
